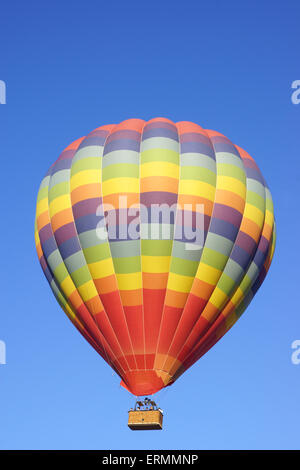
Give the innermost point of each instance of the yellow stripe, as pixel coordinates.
(129, 281)
(87, 291)
(218, 298)
(42, 206)
(269, 218)
(231, 184)
(156, 264)
(238, 296)
(160, 169)
(159, 154)
(208, 274)
(180, 283)
(120, 185)
(67, 286)
(85, 177)
(59, 204)
(101, 268)
(253, 213)
(197, 188)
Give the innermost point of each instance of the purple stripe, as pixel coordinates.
(69, 247)
(161, 125)
(64, 233)
(49, 246)
(189, 137)
(87, 222)
(121, 144)
(64, 164)
(225, 229)
(259, 259)
(49, 172)
(45, 233)
(197, 147)
(67, 154)
(259, 281)
(99, 133)
(246, 242)
(254, 174)
(158, 197)
(124, 134)
(159, 132)
(228, 214)
(264, 244)
(226, 147)
(85, 207)
(222, 144)
(46, 270)
(240, 256)
(92, 140)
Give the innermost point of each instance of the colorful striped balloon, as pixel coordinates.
(148, 297)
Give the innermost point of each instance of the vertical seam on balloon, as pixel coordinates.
(175, 215)
(101, 196)
(188, 294)
(121, 303)
(75, 321)
(112, 329)
(48, 209)
(190, 333)
(140, 216)
(100, 333)
(194, 350)
(197, 356)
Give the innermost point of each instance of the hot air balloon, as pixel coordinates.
(154, 237)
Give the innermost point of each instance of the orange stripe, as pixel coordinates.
(243, 153)
(106, 284)
(154, 281)
(133, 199)
(230, 199)
(159, 183)
(42, 220)
(194, 200)
(184, 127)
(129, 124)
(202, 289)
(131, 297)
(62, 218)
(175, 299)
(86, 191)
(250, 228)
(74, 145)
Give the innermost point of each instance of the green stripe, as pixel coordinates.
(159, 155)
(183, 267)
(59, 190)
(198, 173)
(93, 254)
(127, 265)
(225, 169)
(89, 163)
(120, 170)
(156, 247)
(213, 258)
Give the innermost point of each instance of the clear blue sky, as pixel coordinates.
(70, 67)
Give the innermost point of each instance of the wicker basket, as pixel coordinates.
(145, 419)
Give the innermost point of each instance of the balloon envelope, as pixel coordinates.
(154, 237)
